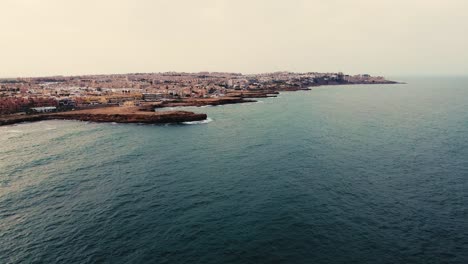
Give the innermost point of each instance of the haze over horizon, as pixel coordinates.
(53, 37)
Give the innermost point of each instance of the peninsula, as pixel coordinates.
(109, 114)
(133, 98)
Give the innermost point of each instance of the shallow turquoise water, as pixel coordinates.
(345, 174)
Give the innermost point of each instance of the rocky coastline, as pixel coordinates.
(146, 114)
(197, 102)
(236, 97)
(109, 114)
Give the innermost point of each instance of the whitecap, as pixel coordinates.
(206, 121)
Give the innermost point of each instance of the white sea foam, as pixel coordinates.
(206, 121)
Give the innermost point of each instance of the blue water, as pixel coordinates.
(343, 174)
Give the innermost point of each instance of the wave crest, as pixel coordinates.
(206, 121)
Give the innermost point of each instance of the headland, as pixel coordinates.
(109, 114)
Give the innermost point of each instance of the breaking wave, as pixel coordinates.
(206, 121)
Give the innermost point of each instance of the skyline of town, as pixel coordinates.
(83, 91)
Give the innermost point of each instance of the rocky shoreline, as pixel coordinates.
(109, 114)
(146, 114)
(230, 98)
(194, 102)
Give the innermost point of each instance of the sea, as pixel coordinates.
(337, 174)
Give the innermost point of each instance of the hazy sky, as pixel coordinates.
(385, 37)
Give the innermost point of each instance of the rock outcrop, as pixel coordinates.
(156, 118)
(110, 114)
(195, 102)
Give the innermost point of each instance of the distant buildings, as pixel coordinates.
(69, 92)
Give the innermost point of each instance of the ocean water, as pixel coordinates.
(343, 174)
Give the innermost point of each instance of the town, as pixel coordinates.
(63, 93)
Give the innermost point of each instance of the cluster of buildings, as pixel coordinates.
(69, 92)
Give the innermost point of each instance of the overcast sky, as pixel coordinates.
(382, 37)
